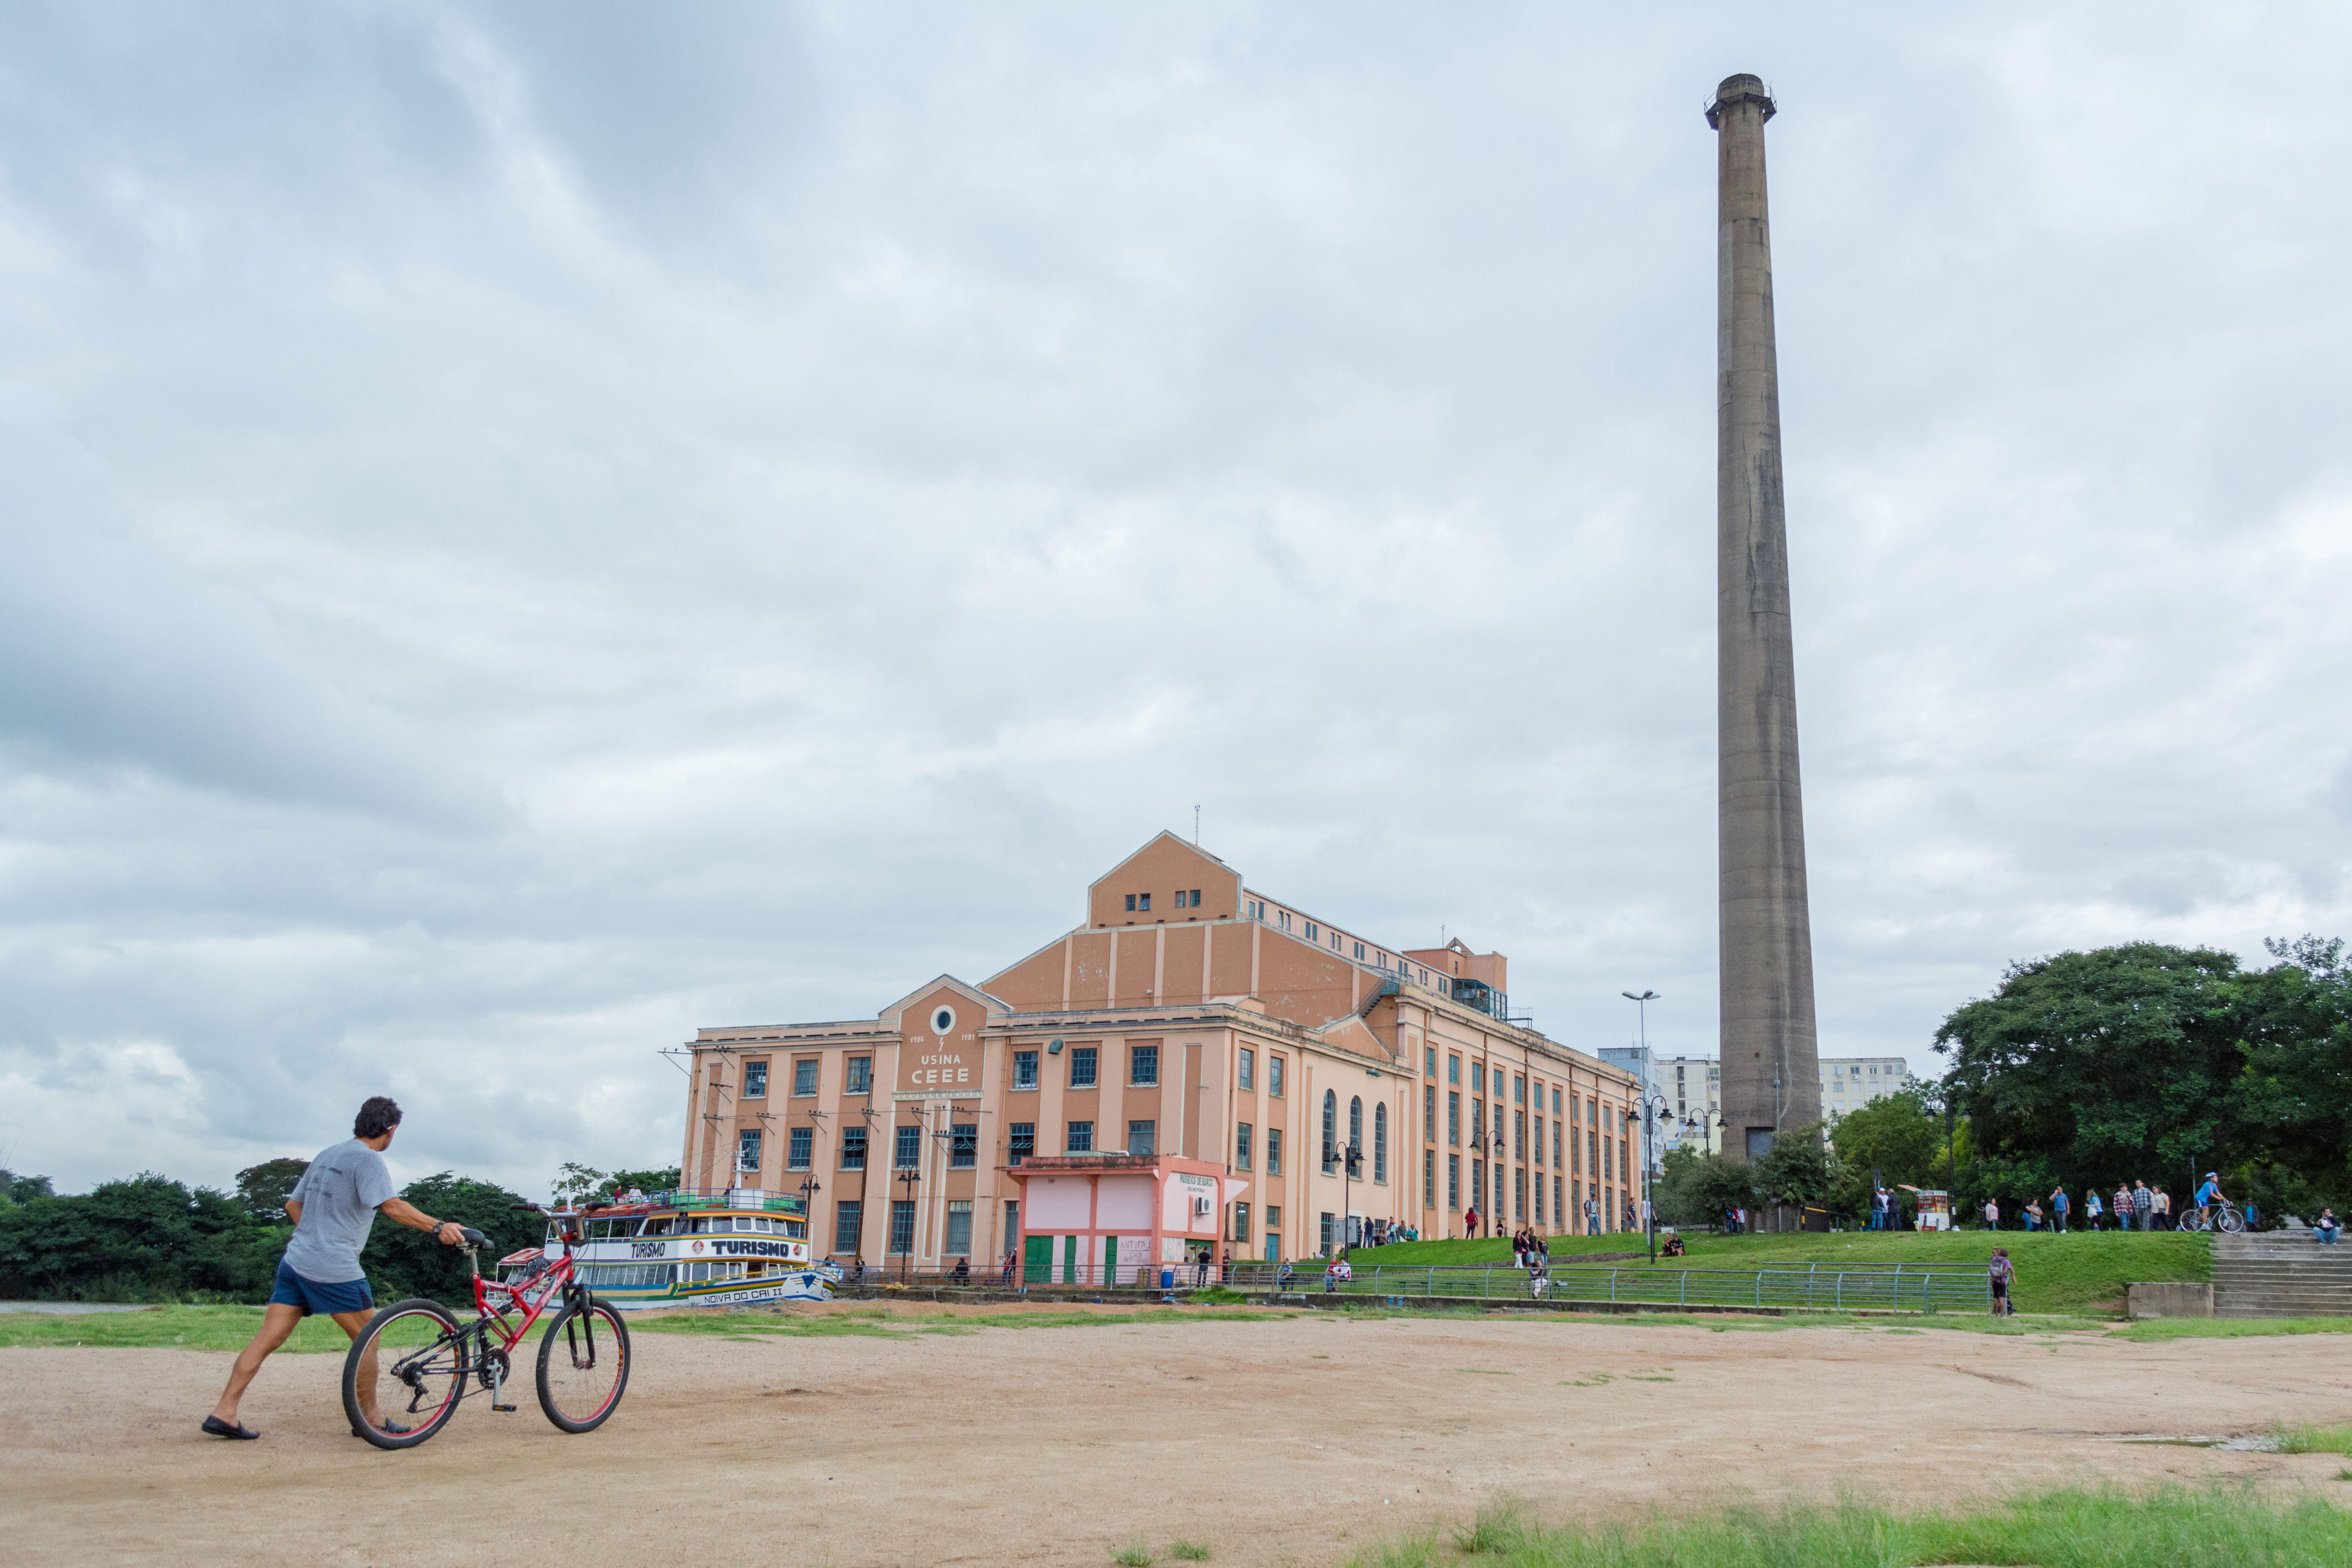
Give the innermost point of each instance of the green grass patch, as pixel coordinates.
(2069, 1528)
(1134, 1554)
(1188, 1551)
(881, 1323)
(2315, 1439)
(161, 1328)
(2155, 1330)
(2081, 1273)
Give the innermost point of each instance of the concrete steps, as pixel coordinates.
(2280, 1275)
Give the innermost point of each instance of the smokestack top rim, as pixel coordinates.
(1742, 88)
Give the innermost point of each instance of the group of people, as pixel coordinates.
(2135, 1207)
(1382, 1232)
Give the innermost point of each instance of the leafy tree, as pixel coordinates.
(264, 1188)
(140, 1240)
(2097, 1066)
(1800, 1168)
(644, 1181)
(2291, 1106)
(1697, 1187)
(573, 1182)
(401, 1262)
(1895, 1135)
(24, 1189)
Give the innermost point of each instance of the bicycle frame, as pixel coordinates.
(496, 1299)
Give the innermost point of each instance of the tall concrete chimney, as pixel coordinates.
(1771, 1062)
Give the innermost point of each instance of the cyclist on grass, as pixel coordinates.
(2208, 1196)
(333, 1206)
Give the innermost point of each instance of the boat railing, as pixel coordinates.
(750, 1199)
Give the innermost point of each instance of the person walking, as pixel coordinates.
(333, 1206)
(1470, 1220)
(2091, 1208)
(1593, 1217)
(2163, 1209)
(2058, 1208)
(2001, 1273)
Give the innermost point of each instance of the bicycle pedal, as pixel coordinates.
(506, 1409)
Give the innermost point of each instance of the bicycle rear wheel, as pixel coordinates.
(404, 1375)
(583, 1367)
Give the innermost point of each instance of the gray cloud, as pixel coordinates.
(555, 526)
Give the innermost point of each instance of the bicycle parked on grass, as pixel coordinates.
(409, 1368)
(2224, 1218)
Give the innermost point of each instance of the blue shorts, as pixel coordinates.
(293, 1290)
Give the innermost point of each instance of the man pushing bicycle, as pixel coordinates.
(333, 1206)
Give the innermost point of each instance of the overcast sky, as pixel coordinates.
(530, 529)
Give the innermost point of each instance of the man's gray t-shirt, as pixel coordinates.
(339, 1195)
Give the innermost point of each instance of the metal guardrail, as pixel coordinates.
(1817, 1287)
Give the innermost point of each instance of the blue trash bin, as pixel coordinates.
(1168, 1279)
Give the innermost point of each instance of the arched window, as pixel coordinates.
(1330, 1128)
(1381, 1142)
(1356, 1124)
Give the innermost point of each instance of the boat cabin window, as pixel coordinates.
(657, 1226)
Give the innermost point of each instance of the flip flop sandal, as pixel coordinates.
(389, 1428)
(220, 1428)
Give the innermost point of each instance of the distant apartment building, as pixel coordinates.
(1191, 1022)
(1851, 1082)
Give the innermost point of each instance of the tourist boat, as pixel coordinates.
(729, 1248)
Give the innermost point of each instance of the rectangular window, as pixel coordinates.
(1429, 1178)
(805, 1078)
(902, 1226)
(959, 1238)
(1282, 917)
(1478, 1124)
(1020, 1142)
(1241, 1221)
(1196, 898)
(1246, 1075)
(1478, 1185)
(1325, 1233)
(801, 1150)
(1143, 902)
(910, 1151)
(861, 1075)
(1360, 952)
(1025, 1069)
(1454, 1181)
(1140, 1136)
(1453, 1117)
(847, 1217)
(1273, 1076)
(1453, 1069)
(1539, 1203)
(1431, 1052)
(755, 1080)
(1624, 1162)
(1478, 1077)
(1081, 1139)
(1241, 1146)
(747, 1149)
(853, 1147)
(964, 1145)
(1555, 1145)
(1143, 1066)
(1429, 1113)
(1519, 1194)
(1519, 1133)
(1520, 1092)
(1607, 1163)
(1314, 933)
(1272, 1154)
(1559, 1215)
(1555, 1100)
(1082, 1067)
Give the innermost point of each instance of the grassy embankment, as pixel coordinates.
(2078, 1273)
(2070, 1529)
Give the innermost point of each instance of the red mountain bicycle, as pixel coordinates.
(406, 1373)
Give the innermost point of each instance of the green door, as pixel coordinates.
(1037, 1260)
(1069, 1260)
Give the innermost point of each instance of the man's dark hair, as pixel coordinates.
(378, 1115)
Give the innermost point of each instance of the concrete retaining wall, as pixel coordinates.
(2169, 1299)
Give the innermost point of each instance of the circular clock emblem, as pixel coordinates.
(943, 1020)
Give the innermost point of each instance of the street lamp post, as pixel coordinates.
(1654, 1107)
(910, 1176)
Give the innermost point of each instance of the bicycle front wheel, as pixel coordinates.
(405, 1374)
(583, 1366)
(2232, 1222)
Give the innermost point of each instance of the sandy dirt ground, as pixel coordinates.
(1294, 1442)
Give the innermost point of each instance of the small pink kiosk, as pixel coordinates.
(1119, 1219)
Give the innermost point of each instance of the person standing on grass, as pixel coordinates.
(2001, 1273)
(2032, 1215)
(1992, 1214)
(2091, 1208)
(1470, 1220)
(2123, 1207)
(2058, 1208)
(333, 1206)
(2143, 1205)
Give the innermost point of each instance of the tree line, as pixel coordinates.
(150, 1238)
(2089, 1071)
